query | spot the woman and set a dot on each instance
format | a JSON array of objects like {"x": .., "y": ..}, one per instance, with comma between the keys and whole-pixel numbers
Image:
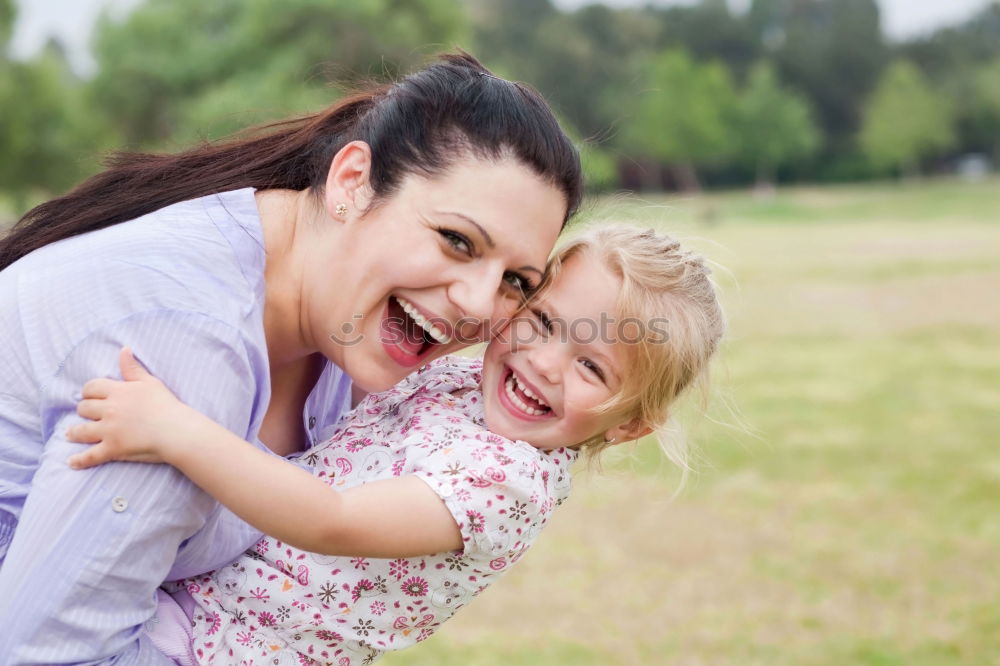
[{"x": 381, "y": 233}]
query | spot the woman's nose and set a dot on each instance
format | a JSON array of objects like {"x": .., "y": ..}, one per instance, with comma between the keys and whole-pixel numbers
[{"x": 477, "y": 295}]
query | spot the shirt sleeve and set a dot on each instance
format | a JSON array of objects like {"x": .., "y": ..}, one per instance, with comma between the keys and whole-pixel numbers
[
  {"x": 499, "y": 501},
  {"x": 91, "y": 546}
]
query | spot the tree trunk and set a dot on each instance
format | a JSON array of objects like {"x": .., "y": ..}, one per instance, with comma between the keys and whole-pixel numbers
[
  {"x": 764, "y": 186},
  {"x": 686, "y": 177}
]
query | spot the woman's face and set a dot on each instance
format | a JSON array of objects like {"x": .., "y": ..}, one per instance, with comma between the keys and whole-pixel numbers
[{"x": 432, "y": 268}]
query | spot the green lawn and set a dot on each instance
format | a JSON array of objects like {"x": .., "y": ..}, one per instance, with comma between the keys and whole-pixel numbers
[{"x": 853, "y": 519}]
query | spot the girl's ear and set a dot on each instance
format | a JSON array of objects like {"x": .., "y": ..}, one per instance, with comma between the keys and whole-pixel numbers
[
  {"x": 627, "y": 432},
  {"x": 348, "y": 181}
]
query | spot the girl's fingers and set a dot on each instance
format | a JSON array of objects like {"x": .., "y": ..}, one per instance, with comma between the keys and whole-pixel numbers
[
  {"x": 97, "y": 388},
  {"x": 90, "y": 409},
  {"x": 84, "y": 433},
  {"x": 131, "y": 369},
  {"x": 89, "y": 458}
]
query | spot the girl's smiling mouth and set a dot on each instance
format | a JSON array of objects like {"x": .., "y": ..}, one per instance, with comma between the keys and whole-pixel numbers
[
  {"x": 518, "y": 398},
  {"x": 408, "y": 335}
]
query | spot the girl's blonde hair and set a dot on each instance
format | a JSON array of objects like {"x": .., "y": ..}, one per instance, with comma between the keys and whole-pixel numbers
[{"x": 668, "y": 318}]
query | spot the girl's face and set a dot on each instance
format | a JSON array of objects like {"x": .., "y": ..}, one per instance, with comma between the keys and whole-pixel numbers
[
  {"x": 544, "y": 375},
  {"x": 432, "y": 266}
]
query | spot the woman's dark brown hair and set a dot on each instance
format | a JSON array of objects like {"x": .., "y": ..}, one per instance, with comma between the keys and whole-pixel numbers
[{"x": 419, "y": 125}]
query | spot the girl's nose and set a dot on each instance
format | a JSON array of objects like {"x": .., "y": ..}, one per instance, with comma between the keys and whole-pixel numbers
[{"x": 544, "y": 360}]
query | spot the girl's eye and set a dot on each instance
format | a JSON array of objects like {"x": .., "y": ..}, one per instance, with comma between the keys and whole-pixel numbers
[
  {"x": 457, "y": 241},
  {"x": 593, "y": 367}
]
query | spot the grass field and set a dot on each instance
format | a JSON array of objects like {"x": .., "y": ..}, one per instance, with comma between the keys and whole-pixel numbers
[{"x": 857, "y": 519}]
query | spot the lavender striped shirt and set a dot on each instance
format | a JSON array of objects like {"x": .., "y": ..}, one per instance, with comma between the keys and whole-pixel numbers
[{"x": 82, "y": 552}]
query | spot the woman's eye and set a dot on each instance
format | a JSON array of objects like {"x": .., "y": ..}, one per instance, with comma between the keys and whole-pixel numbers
[
  {"x": 518, "y": 283},
  {"x": 544, "y": 320},
  {"x": 592, "y": 367},
  {"x": 457, "y": 241}
]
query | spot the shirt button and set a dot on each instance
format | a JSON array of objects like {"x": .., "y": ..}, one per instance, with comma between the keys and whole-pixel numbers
[
  {"x": 119, "y": 504},
  {"x": 312, "y": 422},
  {"x": 445, "y": 491}
]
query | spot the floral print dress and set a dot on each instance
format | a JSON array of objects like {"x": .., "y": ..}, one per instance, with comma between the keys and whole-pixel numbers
[{"x": 280, "y": 605}]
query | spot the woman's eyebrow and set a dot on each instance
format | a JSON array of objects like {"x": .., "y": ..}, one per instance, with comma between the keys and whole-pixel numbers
[{"x": 485, "y": 234}]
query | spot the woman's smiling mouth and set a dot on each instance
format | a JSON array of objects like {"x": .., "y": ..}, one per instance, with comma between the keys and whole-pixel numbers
[
  {"x": 436, "y": 332},
  {"x": 409, "y": 337}
]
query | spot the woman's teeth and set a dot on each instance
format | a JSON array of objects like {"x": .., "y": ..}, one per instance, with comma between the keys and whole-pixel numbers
[
  {"x": 510, "y": 386},
  {"x": 439, "y": 336}
]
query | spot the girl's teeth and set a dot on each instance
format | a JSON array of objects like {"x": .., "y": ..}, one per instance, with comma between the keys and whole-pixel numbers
[
  {"x": 509, "y": 386},
  {"x": 435, "y": 332},
  {"x": 528, "y": 392}
]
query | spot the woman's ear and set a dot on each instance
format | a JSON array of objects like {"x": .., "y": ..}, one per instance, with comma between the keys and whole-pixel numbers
[
  {"x": 627, "y": 432},
  {"x": 348, "y": 181}
]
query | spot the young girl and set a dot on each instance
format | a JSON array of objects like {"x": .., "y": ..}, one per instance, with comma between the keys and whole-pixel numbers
[{"x": 443, "y": 482}]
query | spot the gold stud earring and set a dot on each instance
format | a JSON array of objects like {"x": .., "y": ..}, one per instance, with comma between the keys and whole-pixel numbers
[
  {"x": 341, "y": 209},
  {"x": 610, "y": 441}
]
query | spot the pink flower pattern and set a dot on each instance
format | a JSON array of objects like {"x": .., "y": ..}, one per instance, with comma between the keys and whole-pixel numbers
[
  {"x": 348, "y": 611},
  {"x": 414, "y": 587}
]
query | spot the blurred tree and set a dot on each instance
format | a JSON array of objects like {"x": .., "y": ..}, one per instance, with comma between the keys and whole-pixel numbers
[
  {"x": 48, "y": 138},
  {"x": 904, "y": 120},
  {"x": 708, "y": 30},
  {"x": 685, "y": 116},
  {"x": 775, "y": 125},
  {"x": 982, "y": 116},
  {"x": 579, "y": 60},
  {"x": 602, "y": 76},
  {"x": 831, "y": 50},
  {"x": 600, "y": 168},
  {"x": 950, "y": 50},
  {"x": 961, "y": 64},
  {"x": 7, "y": 14},
  {"x": 174, "y": 70}
]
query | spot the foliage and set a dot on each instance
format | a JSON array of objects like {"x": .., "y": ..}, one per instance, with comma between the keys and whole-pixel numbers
[
  {"x": 600, "y": 169},
  {"x": 708, "y": 30},
  {"x": 162, "y": 80},
  {"x": 982, "y": 107},
  {"x": 176, "y": 71},
  {"x": 684, "y": 116},
  {"x": 7, "y": 13},
  {"x": 775, "y": 124},
  {"x": 578, "y": 60},
  {"x": 833, "y": 50},
  {"x": 905, "y": 120},
  {"x": 49, "y": 136}
]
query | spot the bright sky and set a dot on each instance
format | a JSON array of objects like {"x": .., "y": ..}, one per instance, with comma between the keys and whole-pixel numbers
[{"x": 72, "y": 20}]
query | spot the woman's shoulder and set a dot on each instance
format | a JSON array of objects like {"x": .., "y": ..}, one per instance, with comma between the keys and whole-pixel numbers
[{"x": 194, "y": 256}]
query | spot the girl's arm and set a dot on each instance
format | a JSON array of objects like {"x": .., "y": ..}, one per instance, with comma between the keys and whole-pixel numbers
[{"x": 140, "y": 420}]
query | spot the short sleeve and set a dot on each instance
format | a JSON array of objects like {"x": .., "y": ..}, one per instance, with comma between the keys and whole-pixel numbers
[{"x": 496, "y": 492}]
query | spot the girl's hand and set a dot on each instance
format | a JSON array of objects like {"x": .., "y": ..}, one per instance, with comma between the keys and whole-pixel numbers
[{"x": 137, "y": 420}]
